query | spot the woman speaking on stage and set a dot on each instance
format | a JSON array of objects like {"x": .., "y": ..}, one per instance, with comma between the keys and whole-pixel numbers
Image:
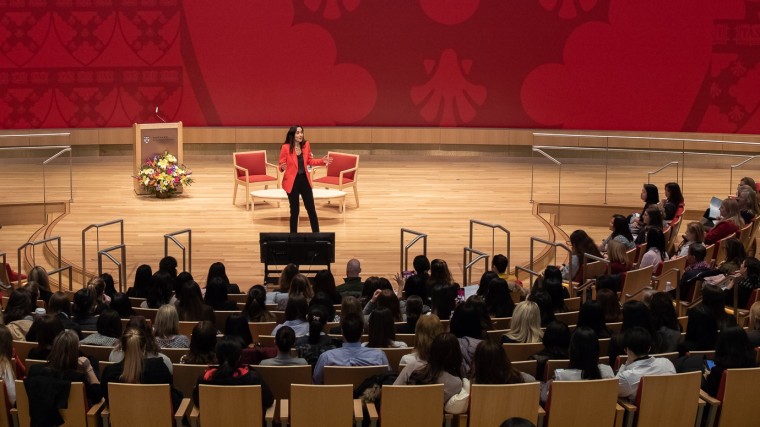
[{"x": 295, "y": 157}]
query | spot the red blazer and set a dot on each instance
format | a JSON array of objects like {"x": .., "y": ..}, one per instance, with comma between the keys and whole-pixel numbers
[
  {"x": 721, "y": 230},
  {"x": 291, "y": 164}
]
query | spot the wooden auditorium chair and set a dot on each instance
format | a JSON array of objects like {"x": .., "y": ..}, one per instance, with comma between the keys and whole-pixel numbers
[
  {"x": 185, "y": 376},
  {"x": 409, "y": 405},
  {"x": 222, "y": 406},
  {"x": 341, "y": 173},
  {"x": 77, "y": 413},
  {"x": 321, "y": 406},
  {"x": 522, "y": 351},
  {"x": 154, "y": 403},
  {"x": 737, "y": 395},
  {"x": 354, "y": 375},
  {"x": 279, "y": 378},
  {"x": 635, "y": 282},
  {"x": 666, "y": 400},
  {"x": 590, "y": 403},
  {"x": 491, "y": 404},
  {"x": 250, "y": 167}
]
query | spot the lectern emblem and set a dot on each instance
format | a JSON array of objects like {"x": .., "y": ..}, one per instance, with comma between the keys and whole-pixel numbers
[{"x": 146, "y": 140}]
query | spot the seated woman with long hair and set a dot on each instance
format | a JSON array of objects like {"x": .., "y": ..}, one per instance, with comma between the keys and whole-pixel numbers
[
  {"x": 190, "y": 307},
  {"x": 651, "y": 197},
  {"x": 732, "y": 351},
  {"x": 7, "y": 358},
  {"x": 382, "y": 331},
  {"x": 490, "y": 365},
  {"x": 556, "y": 341},
  {"x": 526, "y": 324},
  {"x": 255, "y": 308},
  {"x": 591, "y": 316},
  {"x": 581, "y": 243},
  {"x": 735, "y": 256},
  {"x": 65, "y": 363},
  {"x": 231, "y": 372},
  {"x": 749, "y": 207},
  {"x": 283, "y": 285},
  {"x": 299, "y": 286},
  {"x": 152, "y": 350},
  {"x": 202, "y": 344},
  {"x": 311, "y": 346},
  {"x": 695, "y": 233},
  {"x": 217, "y": 269},
  {"x": 109, "y": 330},
  {"x": 284, "y": 340},
  {"x": 673, "y": 203},
  {"x": 296, "y": 311},
  {"x": 747, "y": 280},
  {"x": 137, "y": 367},
  {"x": 428, "y": 327},
  {"x": 385, "y": 298},
  {"x": 618, "y": 257},
  {"x": 324, "y": 282},
  {"x": 166, "y": 328},
  {"x": 652, "y": 219},
  {"x": 467, "y": 327},
  {"x": 584, "y": 361},
  {"x": 498, "y": 299},
  {"x": 47, "y": 328},
  {"x": 444, "y": 366},
  {"x": 730, "y": 222},
  {"x": 142, "y": 282},
  {"x": 620, "y": 232},
  {"x": 216, "y": 296},
  {"x": 655, "y": 253}
]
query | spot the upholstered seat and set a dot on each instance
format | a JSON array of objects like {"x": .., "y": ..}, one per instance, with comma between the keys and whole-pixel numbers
[
  {"x": 250, "y": 167},
  {"x": 341, "y": 173}
]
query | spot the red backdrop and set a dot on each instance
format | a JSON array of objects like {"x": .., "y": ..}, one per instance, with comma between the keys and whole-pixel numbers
[{"x": 676, "y": 65}]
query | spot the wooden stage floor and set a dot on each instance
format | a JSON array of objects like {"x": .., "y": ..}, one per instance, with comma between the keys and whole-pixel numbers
[{"x": 436, "y": 195}]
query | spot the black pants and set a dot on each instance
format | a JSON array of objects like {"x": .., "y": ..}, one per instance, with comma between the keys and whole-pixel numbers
[{"x": 302, "y": 188}]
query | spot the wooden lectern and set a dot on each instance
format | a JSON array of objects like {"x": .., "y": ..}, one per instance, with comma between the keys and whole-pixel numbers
[{"x": 155, "y": 138}]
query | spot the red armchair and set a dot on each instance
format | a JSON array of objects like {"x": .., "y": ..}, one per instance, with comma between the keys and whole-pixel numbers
[
  {"x": 341, "y": 173},
  {"x": 250, "y": 167}
]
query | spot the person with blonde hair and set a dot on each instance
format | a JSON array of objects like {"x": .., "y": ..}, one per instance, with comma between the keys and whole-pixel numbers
[
  {"x": 136, "y": 368},
  {"x": 7, "y": 369},
  {"x": 526, "y": 324},
  {"x": 166, "y": 328},
  {"x": 428, "y": 327},
  {"x": 695, "y": 233},
  {"x": 299, "y": 285},
  {"x": 616, "y": 253},
  {"x": 730, "y": 222},
  {"x": 749, "y": 204}
]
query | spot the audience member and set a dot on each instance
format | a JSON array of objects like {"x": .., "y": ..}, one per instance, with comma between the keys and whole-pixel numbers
[
  {"x": 352, "y": 284},
  {"x": 466, "y": 326},
  {"x": 582, "y": 244},
  {"x": 733, "y": 350},
  {"x": 284, "y": 340},
  {"x": 217, "y": 269},
  {"x": 295, "y": 315},
  {"x": 526, "y": 324},
  {"x": 121, "y": 303},
  {"x": 695, "y": 233},
  {"x": 216, "y": 295},
  {"x": 665, "y": 320},
  {"x": 351, "y": 353},
  {"x": 556, "y": 341},
  {"x": 701, "y": 331},
  {"x": 747, "y": 281},
  {"x": 591, "y": 316},
  {"x": 202, "y": 344},
  {"x": 730, "y": 222},
  {"x": 324, "y": 282},
  {"x": 190, "y": 307},
  {"x": 382, "y": 331},
  {"x": 108, "y": 330},
  {"x": 499, "y": 299},
  {"x": 428, "y": 327},
  {"x": 311, "y": 346},
  {"x": 620, "y": 232},
  {"x": 256, "y": 307},
  {"x": 141, "y": 284},
  {"x": 638, "y": 343},
  {"x": 490, "y": 365},
  {"x": 166, "y": 328},
  {"x": 48, "y": 327},
  {"x": 414, "y": 308}
]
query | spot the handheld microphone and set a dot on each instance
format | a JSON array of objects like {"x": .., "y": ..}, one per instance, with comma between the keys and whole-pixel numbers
[{"x": 159, "y": 116}]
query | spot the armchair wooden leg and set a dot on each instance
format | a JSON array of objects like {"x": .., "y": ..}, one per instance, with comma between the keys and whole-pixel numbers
[
  {"x": 234, "y": 193},
  {"x": 356, "y": 196}
]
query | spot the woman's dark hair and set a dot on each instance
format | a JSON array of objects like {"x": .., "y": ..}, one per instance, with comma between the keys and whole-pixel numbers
[
  {"x": 109, "y": 323},
  {"x": 656, "y": 239},
  {"x": 237, "y": 326},
  {"x": 325, "y": 282},
  {"x": 141, "y": 285},
  {"x": 733, "y": 349},
  {"x": 110, "y": 288},
  {"x": 655, "y": 218},
  {"x": 59, "y": 303},
  {"x": 84, "y": 303},
  {"x": 753, "y": 267},
  {"x": 517, "y": 422},
  {"x": 701, "y": 329},
  {"x": 181, "y": 279},
  {"x": 421, "y": 264},
  {"x": 498, "y": 299},
  {"x": 217, "y": 270},
  {"x": 466, "y": 322},
  {"x": 556, "y": 292},
  {"x": 317, "y": 319},
  {"x": 582, "y": 243},
  {"x": 168, "y": 264},
  {"x": 445, "y": 356},
  {"x": 413, "y": 307},
  {"x": 556, "y": 337},
  {"x": 610, "y": 303},
  {"x": 284, "y": 339},
  {"x": 288, "y": 273},
  {"x": 443, "y": 299},
  {"x": 544, "y": 302},
  {"x": 216, "y": 293},
  {"x": 490, "y": 365},
  {"x": 381, "y": 330},
  {"x": 485, "y": 280},
  {"x": 552, "y": 271},
  {"x": 290, "y": 137},
  {"x": 735, "y": 251},
  {"x": 141, "y": 323},
  {"x": 202, "y": 344},
  {"x": 190, "y": 305},
  {"x": 160, "y": 291},
  {"x": 19, "y": 306},
  {"x": 296, "y": 308},
  {"x": 620, "y": 227},
  {"x": 388, "y": 299},
  {"x": 120, "y": 302},
  {"x": 584, "y": 353},
  {"x": 480, "y": 306},
  {"x": 676, "y": 196},
  {"x": 663, "y": 313},
  {"x": 256, "y": 304},
  {"x": 652, "y": 194},
  {"x": 439, "y": 273},
  {"x": 591, "y": 316},
  {"x": 416, "y": 286},
  {"x": 228, "y": 351},
  {"x": 48, "y": 327},
  {"x": 636, "y": 313}
]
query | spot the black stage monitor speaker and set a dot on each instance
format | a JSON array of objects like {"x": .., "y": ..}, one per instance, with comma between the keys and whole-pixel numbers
[{"x": 297, "y": 248}]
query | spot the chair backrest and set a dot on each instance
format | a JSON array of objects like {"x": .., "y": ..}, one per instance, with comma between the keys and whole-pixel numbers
[
  {"x": 174, "y": 354},
  {"x": 675, "y": 226},
  {"x": 554, "y": 364},
  {"x": 604, "y": 344},
  {"x": 321, "y": 405},
  {"x": 492, "y": 404},
  {"x": 74, "y": 415},
  {"x": 136, "y": 302},
  {"x": 254, "y": 161},
  {"x": 354, "y": 375},
  {"x": 154, "y": 401},
  {"x": 632, "y": 255},
  {"x": 220, "y": 317},
  {"x": 99, "y": 352},
  {"x": 279, "y": 378},
  {"x": 573, "y": 304},
  {"x": 148, "y": 313},
  {"x": 669, "y": 400},
  {"x": 409, "y": 339},
  {"x": 738, "y": 405},
  {"x": 394, "y": 355},
  {"x": 721, "y": 253},
  {"x": 186, "y": 328},
  {"x": 22, "y": 348},
  {"x": 521, "y": 351},
  {"x": 529, "y": 367},
  {"x": 672, "y": 270},
  {"x": 397, "y": 409},
  {"x": 230, "y": 405},
  {"x": 185, "y": 376},
  {"x": 745, "y": 233},
  {"x": 501, "y": 322},
  {"x": 261, "y": 328},
  {"x": 592, "y": 270},
  {"x": 596, "y": 407},
  {"x": 496, "y": 334},
  {"x": 635, "y": 282},
  {"x": 568, "y": 318},
  {"x": 342, "y": 161}
]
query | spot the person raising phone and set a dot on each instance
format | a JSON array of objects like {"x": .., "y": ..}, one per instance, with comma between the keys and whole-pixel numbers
[{"x": 295, "y": 157}]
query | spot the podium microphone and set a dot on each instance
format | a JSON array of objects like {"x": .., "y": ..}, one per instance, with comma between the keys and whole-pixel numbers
[{"x": 159, "y": 116}]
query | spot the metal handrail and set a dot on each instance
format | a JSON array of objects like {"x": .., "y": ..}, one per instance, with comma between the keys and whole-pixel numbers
[
  {"x": 653, "y": 138},
  {"x": 62, "y": 148},
  {"x": 189, "y": 252},
  {"x": 59, "y": 271},
  {"x": 655, "y": 172},
  {"x": 60, "y": 267},
  {"x": 97, "y": 228},
  {"x": 559, "y": 179},
  {"x": 587, "y": 255},
  {"x": 122, "y": 266},
  {"x": 731, "y": 174},
  {"x": 493, "y": 228},
  {"x": 2, "y": 254},
  {"x": 553, "y": 244},
  {"x": 467, "y": 266},
  {"x": 530, "y": 272},
  {"x": 404, "y": 262}
]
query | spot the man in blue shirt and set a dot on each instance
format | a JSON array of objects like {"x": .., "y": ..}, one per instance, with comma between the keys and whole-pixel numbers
[{"x": 352, "y": 353}]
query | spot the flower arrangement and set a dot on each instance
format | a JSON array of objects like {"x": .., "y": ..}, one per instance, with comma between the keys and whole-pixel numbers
[{"x": 162, "y": 174}]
